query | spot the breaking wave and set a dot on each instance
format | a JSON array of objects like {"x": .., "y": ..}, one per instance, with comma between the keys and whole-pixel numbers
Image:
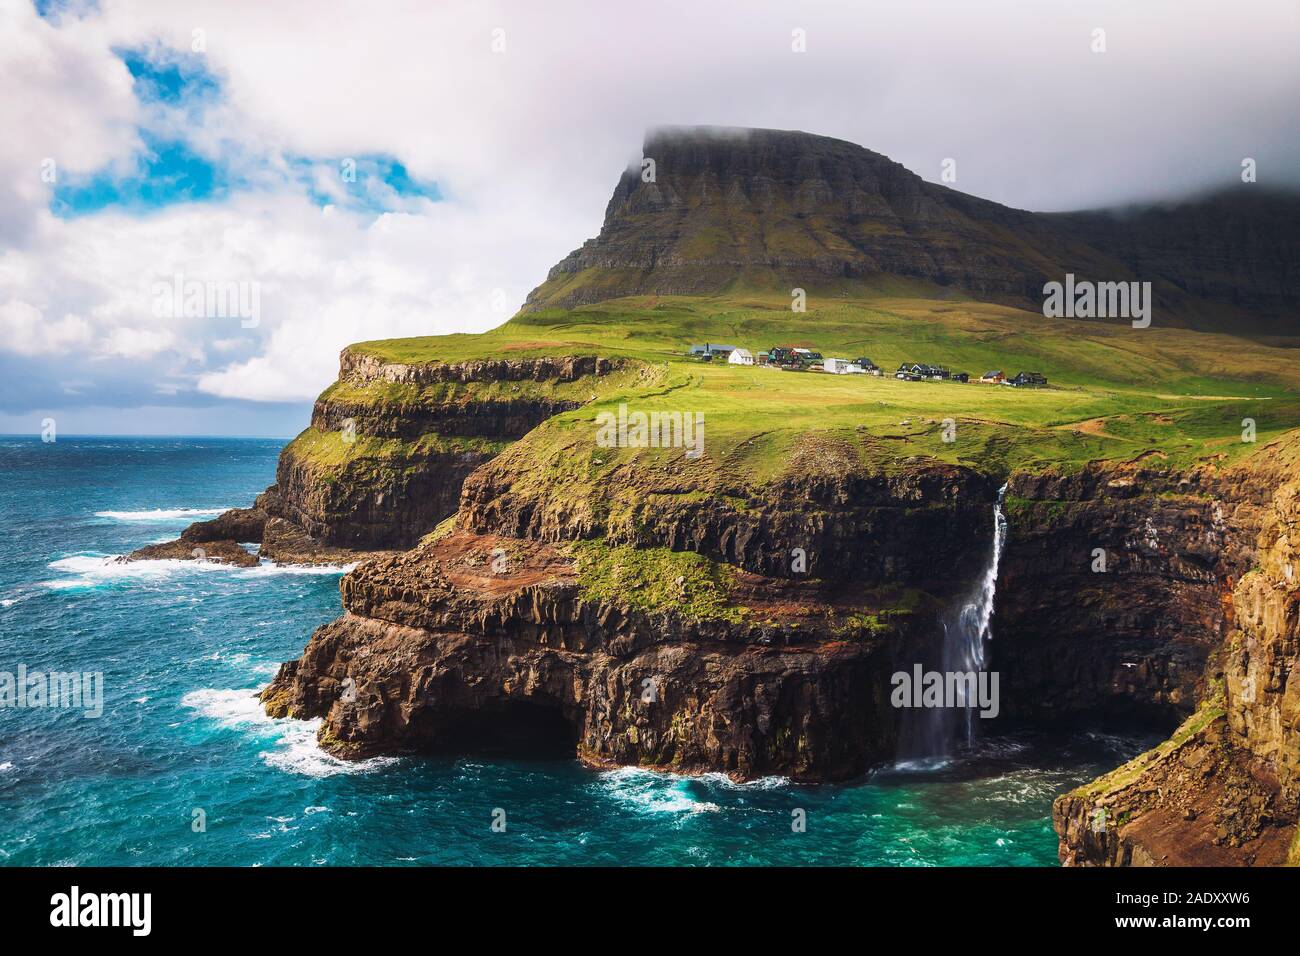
[
  {"x": 160, "y": 514},
  {"x": 293, "y": 742}
]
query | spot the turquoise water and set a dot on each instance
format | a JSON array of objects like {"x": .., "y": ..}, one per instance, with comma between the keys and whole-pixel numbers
[{"x": 183, "y": 648}]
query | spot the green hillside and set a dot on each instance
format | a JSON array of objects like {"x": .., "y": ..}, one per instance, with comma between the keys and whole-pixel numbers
[{"x": 1115, "y": 392}]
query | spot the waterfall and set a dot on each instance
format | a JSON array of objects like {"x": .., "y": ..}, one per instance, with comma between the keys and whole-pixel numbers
[
  {"x": 934, "y": 732},
  {"x": 966, "y": 635}
]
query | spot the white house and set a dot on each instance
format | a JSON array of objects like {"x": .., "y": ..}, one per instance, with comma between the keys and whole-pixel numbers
[
  {"x": 741, "y": 357},
  {"x": 839, "y": 366}
]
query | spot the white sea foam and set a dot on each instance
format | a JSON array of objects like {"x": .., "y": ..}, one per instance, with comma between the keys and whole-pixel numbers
[
  {"x": 95, "y": 570},
  {"x": 7, "y": 765},
  {"x": 923, "y": 764},
  {"x": 760, "y": 783},
  {"x": 295, "y": 748},
  {"x": 654, "y": 792},
  {"x": 160, "y": 514}
]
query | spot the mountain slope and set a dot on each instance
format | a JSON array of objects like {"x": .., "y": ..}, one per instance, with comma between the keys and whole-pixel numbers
[{"x": 727, "y": 210}]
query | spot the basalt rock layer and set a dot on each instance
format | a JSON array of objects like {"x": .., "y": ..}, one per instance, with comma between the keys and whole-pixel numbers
[
  {"x": 1116, "y": 586},
  {"x": 477, "y": 640},
  {"x": 848, "y": 523},
  {"x": 1225, "y": 789},
  {"x": 390, "y": 444}
]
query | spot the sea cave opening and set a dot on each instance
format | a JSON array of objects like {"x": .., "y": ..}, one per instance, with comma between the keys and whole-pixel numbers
[{"x": 521, "y": 729}]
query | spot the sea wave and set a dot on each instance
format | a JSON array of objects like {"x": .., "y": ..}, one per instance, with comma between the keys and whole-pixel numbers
[
  {"x": 653, "y": 791},
  {"x": 22, "y": 594},
  {"x": 295, "y": 748},
  {"x": 89, "y": 571},
  {"x": 160, "y": 514}
]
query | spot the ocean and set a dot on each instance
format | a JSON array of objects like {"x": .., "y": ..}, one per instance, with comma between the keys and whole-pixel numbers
[{"x": 183, "y": 768}]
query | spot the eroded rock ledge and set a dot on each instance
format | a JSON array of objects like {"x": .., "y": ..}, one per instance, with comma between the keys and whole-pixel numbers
[{"x": 439, "y": 651}]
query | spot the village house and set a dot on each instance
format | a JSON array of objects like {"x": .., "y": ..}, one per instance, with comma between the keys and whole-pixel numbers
[
  {"x": 810, "y": 359},
  {"x": 908, "y": 373},
  {"x": 1025, "y": 379},
  {"x": 709, "y": 351},
  {"x": 741, "y": 357},
  {"x": 916, "y": 371},
  {"x": 867, "y": 366},
  {"x": 994, "y": 377},
  {"x": 793, "y": 359},
  {"x": 840, "y": 366}
]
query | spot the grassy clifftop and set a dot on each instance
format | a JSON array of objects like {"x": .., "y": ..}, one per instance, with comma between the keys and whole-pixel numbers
[{"x": 1116, "y": 392}]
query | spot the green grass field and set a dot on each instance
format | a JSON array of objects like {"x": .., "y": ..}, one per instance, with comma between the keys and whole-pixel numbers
[{"x": 1116, "y": 392}]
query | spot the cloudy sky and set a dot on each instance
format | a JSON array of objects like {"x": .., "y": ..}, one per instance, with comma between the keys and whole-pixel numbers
[{"x": 386, "y": 169}]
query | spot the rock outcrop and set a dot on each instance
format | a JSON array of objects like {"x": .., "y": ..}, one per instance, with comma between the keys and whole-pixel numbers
[
  {"x": 1225, "y": 789},
  {"x": 391, "y": 443},
  {"x": 384, "y": 458},
  {"x": 747, "y": 668},
  {"x": 437, "y": 651},
  {"x": 1115, "y": 586},
  {"x": 218, "y": 539}
]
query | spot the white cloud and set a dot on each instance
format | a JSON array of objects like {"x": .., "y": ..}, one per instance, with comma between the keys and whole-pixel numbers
[
  {"x": 26, "y": 331},
  {"x": 67, "y": 100}
]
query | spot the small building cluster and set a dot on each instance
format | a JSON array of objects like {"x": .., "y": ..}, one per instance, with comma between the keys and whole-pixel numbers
[
  {"x": 918, "y": 372},
  {"x": 1020, "y": 380},
  {"x": 791, "y": 358}
]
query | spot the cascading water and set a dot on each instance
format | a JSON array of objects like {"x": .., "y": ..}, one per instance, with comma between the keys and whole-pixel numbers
[
  {"x": 934, "y": 732},
  {"x": 966, "y": 636}
]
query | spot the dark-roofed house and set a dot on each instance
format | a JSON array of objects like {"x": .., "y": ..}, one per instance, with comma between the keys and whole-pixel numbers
[
  {"x": 1023, "y": 379},
  {"x": 710, "y": 351}
]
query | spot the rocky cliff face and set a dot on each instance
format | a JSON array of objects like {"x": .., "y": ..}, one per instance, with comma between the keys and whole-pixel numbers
[
  {"x": 430, "y": 426},
  {"x": 528, "y": 614},
  {"x": 1116, "y": 586},
  {"x": 387, "y": 451},
  {"x": 439, "y": 650},
  {"x": 500, "y": 629},
  {"x": 776, "y": 209},
  {"x": 1225, "y": 789},
  {"x": 849, "y": 523}
]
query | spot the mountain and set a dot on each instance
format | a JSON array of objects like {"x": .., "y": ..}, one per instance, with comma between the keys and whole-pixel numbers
[{"x": 730, "y": 210}]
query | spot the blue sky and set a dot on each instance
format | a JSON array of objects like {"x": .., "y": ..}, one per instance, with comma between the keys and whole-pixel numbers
[{"x": 176, "y": 90}]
